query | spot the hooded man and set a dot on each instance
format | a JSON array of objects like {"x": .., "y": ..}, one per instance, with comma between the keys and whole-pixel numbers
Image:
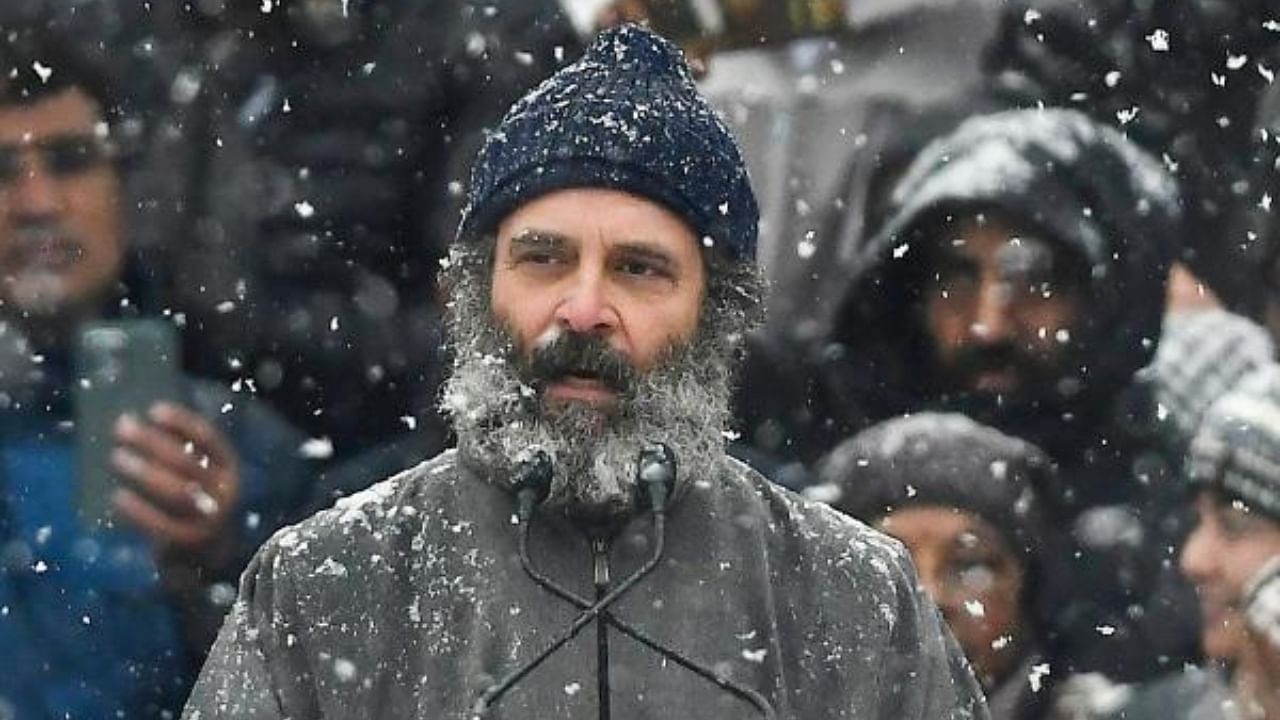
[
  {"x": 1019, "y": 279},
  {"x": 602, "y": 281}
]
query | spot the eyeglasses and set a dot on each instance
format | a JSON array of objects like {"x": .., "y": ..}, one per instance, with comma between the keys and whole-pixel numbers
[{"x": 63, "y": 156}]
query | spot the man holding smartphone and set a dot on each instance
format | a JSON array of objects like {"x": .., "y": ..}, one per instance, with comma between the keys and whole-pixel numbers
[{"x": 104, "y": 620}]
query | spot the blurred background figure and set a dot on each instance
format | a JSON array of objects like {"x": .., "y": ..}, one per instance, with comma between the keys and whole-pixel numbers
[
  {"x": 962, "y": 498},
  {"x": 105, "y": 617},
  {"x": 1233, "y": 558},
  {"x": 1184, "y": 80},
  {"x": 1020, "y": 278},
  {"x": 304, "y": 179}
]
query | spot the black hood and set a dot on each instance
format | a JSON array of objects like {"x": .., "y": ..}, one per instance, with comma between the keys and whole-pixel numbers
[{"x": 1081, "y": 184}]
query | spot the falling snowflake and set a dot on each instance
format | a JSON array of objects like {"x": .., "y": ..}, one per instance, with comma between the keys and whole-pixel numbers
[
  {"x": 344, "y": 669},
  {"x": 1128, "y": 115},
  {"x": 1037, "y": 675},
  {"x": 1159, "y": 40},
  {"x": 317, "y": 448}
]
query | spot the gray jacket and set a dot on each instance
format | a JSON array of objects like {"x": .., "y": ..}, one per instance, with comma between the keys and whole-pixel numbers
[{"x": 408, "y": 600}]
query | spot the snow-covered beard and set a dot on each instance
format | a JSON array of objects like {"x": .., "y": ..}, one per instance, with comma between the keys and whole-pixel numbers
[{"x": 494, "y": 398}]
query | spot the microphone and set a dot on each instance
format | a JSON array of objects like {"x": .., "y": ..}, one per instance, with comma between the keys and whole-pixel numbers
[
  {"x": 656, "y": 476},
  {"x": 656, "y": 472},
  {"x": 532, "y": 483}
]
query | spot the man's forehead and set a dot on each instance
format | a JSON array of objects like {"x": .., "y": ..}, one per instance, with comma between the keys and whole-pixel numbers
[
  {"x": 1002, "y": 240},
  {"x": 71, "y": 111}
]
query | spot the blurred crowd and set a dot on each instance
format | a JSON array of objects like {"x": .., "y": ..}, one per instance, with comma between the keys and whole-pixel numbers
[{"x": 1024, "y": 298}]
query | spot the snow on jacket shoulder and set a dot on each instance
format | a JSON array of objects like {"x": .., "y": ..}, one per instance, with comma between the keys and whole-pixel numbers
[{"x": 409, "y": 600}]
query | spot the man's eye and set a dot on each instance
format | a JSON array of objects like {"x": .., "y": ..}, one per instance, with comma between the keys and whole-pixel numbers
[
  {"x": 640, "y": 268},
  {"x": 535, "y": 257}
]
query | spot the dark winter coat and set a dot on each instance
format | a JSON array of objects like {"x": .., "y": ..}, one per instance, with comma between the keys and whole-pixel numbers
[
  {"x": 408, "y": 600},
  {"x": 88, "y": 628},
  {"x": 1117, "y": 503},
  {"x": 300, "y": 193}
]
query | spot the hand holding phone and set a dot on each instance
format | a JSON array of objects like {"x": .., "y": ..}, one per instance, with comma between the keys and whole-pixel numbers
[
  {"x": 122, "y": 367},
  {"x": 180, "y": 483}
]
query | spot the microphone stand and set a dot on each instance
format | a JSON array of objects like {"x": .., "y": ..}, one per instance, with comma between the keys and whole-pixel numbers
[
  {"x": 747, "y": 694},
  {"x": 657, "y": 475},
  {"x": 600, "y": 549}
]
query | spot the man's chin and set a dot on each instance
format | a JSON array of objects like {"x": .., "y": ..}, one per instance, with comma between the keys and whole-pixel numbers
[
  {"x": 997, "y": 384},
  {"x": 576, "y": 416}
]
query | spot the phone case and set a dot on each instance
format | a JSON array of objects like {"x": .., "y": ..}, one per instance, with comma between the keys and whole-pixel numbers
[{"x": 121, "y": 367}]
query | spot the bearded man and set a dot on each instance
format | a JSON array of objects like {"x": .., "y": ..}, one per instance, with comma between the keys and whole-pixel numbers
[{"x": 602, "y": 283}]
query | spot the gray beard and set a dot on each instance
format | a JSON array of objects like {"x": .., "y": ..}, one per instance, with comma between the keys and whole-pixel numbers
[{"x": 501, "y": 420}]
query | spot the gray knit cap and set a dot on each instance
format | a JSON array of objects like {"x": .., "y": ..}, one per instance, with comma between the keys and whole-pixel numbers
[
  {"x": 1202, "y": 356},
  {"x": 943, "y": 459},
  {"x": 1237, "y": 450}
]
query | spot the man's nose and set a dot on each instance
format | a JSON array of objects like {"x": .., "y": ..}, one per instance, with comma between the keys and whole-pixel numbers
[
  {"x": 1197, "y": 558},
  {"x": 993, "y": 316},
  {"x": 585, "y": 306},
  {"x": 34, "y": 192},
  {"x": 931, "y": 582}
]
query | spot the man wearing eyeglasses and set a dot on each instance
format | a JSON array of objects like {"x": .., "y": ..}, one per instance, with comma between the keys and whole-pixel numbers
[{"x": 103, "y": 620}]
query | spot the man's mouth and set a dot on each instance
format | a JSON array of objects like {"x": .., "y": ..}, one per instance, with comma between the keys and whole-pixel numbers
[
  {"x": 998, "y": 381},
  {"x": 580, "y": 386},
  {"x": 51, "y": 253}
]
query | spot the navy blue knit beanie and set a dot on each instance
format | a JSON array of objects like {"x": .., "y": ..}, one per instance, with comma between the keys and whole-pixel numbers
[{"x": 626, "y": 116}]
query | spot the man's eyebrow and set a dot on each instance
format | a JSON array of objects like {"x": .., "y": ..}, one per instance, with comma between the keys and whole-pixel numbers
[
  {"x": 534, "y": 239},
  {"x": 645, "y": 251}
]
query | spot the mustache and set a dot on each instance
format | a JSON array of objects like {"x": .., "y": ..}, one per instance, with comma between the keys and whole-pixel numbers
[
  {"x": 30, "y": 234},
  {"x": 583, "y": 355},
  {"x": 973, "y": 361}
]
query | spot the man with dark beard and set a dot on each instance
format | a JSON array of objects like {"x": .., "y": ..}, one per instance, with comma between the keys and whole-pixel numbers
[
  {"x": 1020, "y": 279},
  {"x": 602, "y": 282}
]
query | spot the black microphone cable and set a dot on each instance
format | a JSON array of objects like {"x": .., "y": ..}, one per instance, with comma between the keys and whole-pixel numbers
[
  {"x": 497, "y": 690},
  {"x": 656, "y": 472}
]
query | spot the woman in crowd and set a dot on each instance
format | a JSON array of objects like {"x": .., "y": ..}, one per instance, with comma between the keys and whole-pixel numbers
[{"x": 961, "y": 497}]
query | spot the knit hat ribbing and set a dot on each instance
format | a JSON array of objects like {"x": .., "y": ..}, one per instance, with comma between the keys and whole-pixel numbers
[
  {"x": 626, "y": 116},
  {"x": 1202, "y": 356},
  {"x": 942, "y": 459},
  {"x": 1237, "y": 449}
]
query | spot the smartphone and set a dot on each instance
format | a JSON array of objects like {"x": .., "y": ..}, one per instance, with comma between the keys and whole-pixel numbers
[{"x": 121, "y": 367}]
